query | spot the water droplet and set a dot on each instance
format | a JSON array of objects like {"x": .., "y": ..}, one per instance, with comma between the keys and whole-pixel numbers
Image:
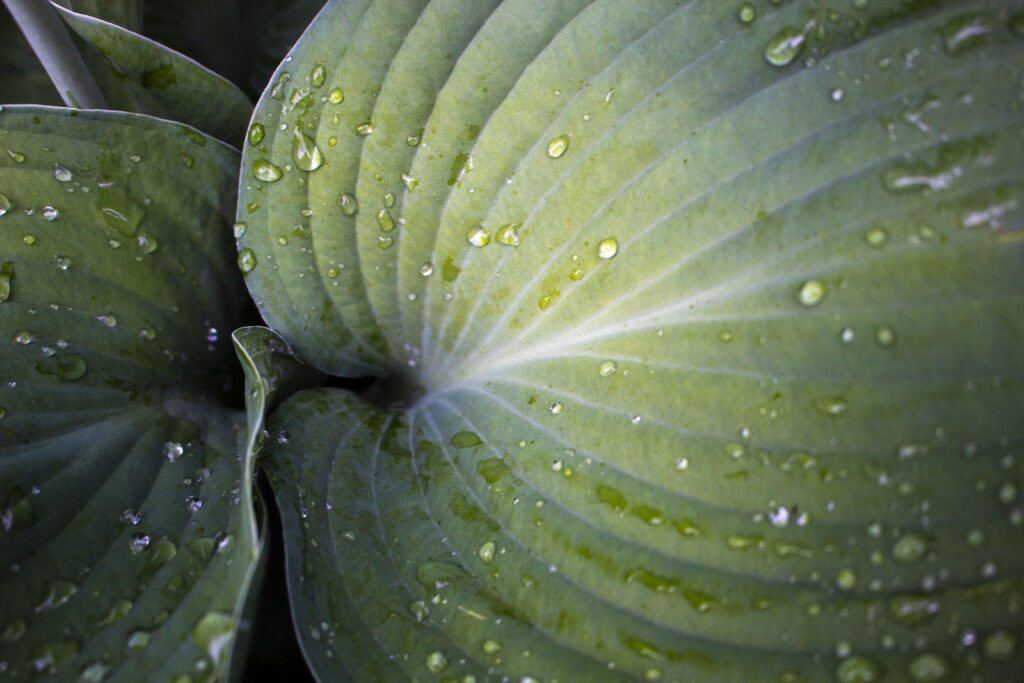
[
  {"x": 384, "y": 241},
  {"x": 23, "y": 337},
  {"x": 847, "y": 335},
  {"x": 347, "y": 203},
  {"x": 885, "y": 336},
  {"x": 18, "y": 512},
  {"x": 160, "y": 553},
  {"x": 17, "y": 157},
  {"x": 385, "y": 221},
  {"x": 14, "y": 630},
  {"x": 256, "y": 133},
  {"x": 58, "y": 593},
  {"x": 785, "y": 46},
  {"x": 909, "y": 548},
  {"x": 307, "y": 155},
  {"x": 486, "y": 551},
  {"x": 131, "y": 516},
  {"x": 239, "y": 229},
  {"x": 413, "y": 139},
  {"x": 336, "y": 96},
  {"x": 508, "y": 234},
  {"x": 5, "y": 205},
  {"x": 607, "y": 248},
  {"x": 833, "y": 405},
  {"x": 557, "y": 147},
  {"x": 62, "y": 174},
  {"x": 928, "y": 667},
  {"x": 491, "y": 647},
  {"x": 479, "y": 237},
  {"x": 187, "y": 160},
  {"x": 138, "y": 542},
  {"x": 193, "y": 504},
  {"x": 846, "y": 579},
  {"x": 811, "y": 292},
  {"x": 213, "y": 633},
  {"x": 66, "y": 368},
  {"x": 437, "y": 662},
  {"x": 364, "y": 128},
  {"x": 965, "y": 32},
  {"x": 999, "y": 645},
  {"x": 419, "y": 610},
  {"x": 266, "y": 171},
  {"x": 246, "y": 260},
  {"x": 6, "y": 275},
  {"x": 858, "y": 669},
  {"x": 556, "y": 408},
  {"x": 427, "y": 269},
  {"x": 836, "y": 94},
  {"x": 138, "y": 640},
  {"x": 607, "y": 368},
  {"x": 147, "y": 244},
  {"x": 173, "y": 450},
  {"x": 117, "y": 612},
  {"x": 317, "y": 76},
  {"x": 47, "y": 657},
  {"x": 746, "y": 14},
  {"x": 94, "y": 673}
]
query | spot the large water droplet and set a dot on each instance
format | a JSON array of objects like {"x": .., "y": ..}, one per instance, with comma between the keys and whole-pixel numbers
[
  {"x": 62, "y": 174},
  {"x": 266, "y": 171},
  {"x": 385, "y": 221},
  {"x": 928, "y": 667},
  {"x": 486, "y": 551},
  {"x": 307, "y": 155},
  {"x": 746, "y": 14},
  {"x": 812, "y": 292},
  {"x": 364, "y": 128},
  {"x": 58, "y": 593},
  {"x": 858, "y": 669},
  {"x": 5, "y": 204},
  {"x": 256, "y": 133},
  {"x": 607, "y": 248},
  {"x": 246, "y": 260},
  {"x": 50, "y": 214},
  {"x": 213, "y": 633},
  {"x": 508, "y": 234},
  {"x": 785, "y": 46},
  {"x": 479, "y": 237},
  {"x": 138, "y": 542},
  {"x": 909, "y": 548},
  {"x": 557, "y": 147},
  {"x": 437, "y": 662},
  {"x": 336, "y": 96},
  {"x": 317, "y": 76}
]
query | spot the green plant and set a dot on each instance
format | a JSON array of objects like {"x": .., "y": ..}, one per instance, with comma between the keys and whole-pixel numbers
[{"x": 695, "y": 328}]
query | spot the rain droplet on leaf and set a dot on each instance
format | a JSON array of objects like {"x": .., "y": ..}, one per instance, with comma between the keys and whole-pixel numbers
[
  {"x": 557, "y": 147},
  {"x": 607, "y": 248},
  {"x": 307, "y": 155},
  {"x": 785, "y": 46},
  {"x": 479, "y": 237},
  {"x": 266, "y": 171},
  {"x": 62, "y": 174}
]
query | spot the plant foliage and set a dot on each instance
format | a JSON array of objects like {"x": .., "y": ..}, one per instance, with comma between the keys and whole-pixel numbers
[{"x": 695, "y": 329}]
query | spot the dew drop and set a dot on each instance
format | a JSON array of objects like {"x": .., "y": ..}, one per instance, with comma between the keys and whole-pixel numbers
[
  {"x": 556, "y": 408},
  {"x": 246, "y": 260},
  {"x": 437, "y": 662},
  {"x": 336, "y": 96},
  {"x": 266, "y": 171},
  {"x": 491, "y": 647},
  {"x": 94, "y": 673},
  {"x": 138, "y": 542},
  {"x": 479, "y": 237},
  {"x": 837, "y": 94},
  {"x": 305, "y": 152},
  {"x": 846, "y": 579},
  {"x": 58, "y": 593},
  {"x": 909, "y": 548},
  {"x": 131, "y": 516},
  {"x": 5, "y": 204},
  {"x": 419, "y": 610},
  {"x": 811, "y": 292},
  {"x": 62, "y": 174},
  {"x": 785, "y": 46},
  {"x": 427, "y": 269},
  {"x": 147, "y": 243},
  {"x": 17, "y": 157},
  {"x": 173, "y": 450},
  {"x": 557, "y": 147},
  {"x": 50, "y": 214},
  {"x": 364, "y": 129},
  {"x": 999, "y": 645},
  {"x": 23, "y": 337},
  {"x": 138, "y": 640},
  {"x": 256, "y": 133},
  {"x": 317, "y": 76},
  {"x": 486, "y": 551},
  {"x": 964, "y": 32},
  {"x": 858, "y": 669},
  {"x": 847, "y": 335},
  {"x": 885, "y": 336},
  {"x": 14, "y": 630},
  {"x": 508, "y": 234},
  {"x": 347, "y": 203},
  {"x": 607, "y": 369},
  {"x": 876, "y": 237},
  {"x": 607, "y": 248},
  {"x": 385, "y": 221},
  {"x": 384, "y": 241},
  {"x": 213, "y": 633},
  {"x": 928, "y": 667},
  {"x": 746, "y": 14}
]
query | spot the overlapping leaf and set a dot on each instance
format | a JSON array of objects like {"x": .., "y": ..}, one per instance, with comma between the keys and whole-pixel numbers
[
  {"x": 128, "y": 539},
  {"x": 707, "y": 319}
]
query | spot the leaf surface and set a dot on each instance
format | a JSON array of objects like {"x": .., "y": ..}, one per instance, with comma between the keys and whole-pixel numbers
[
  {"x": 129, "y": 539},
  {"x": 706, "y": 329}
]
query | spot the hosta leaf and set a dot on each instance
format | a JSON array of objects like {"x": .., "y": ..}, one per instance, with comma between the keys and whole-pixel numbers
[
  {"x": 126, "y": 13},
  {"x": 705, "y": 317},
  {"x": 128, "y": 539},
  {"x": 146, "y": 77}
]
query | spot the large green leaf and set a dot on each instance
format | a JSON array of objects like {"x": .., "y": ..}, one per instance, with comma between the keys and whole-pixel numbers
[
  {"x": 128, "y": 541},
  {"x": 137, "y": 74},
  {"x": 706, "y": 318}
]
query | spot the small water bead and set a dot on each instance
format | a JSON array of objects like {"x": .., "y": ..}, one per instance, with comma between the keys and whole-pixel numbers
[
  {"x": 17, "y": 157},
  {"x": 508, "y": 234},
  {"x": 837, "y": 94},
  {"x": 576, "y": 274},
  {"x": 256, "y": 133},
  {"x": 138, "y": 542},
  {"x": 491, "y": 647},
  {"x": 847, "y": 335},
  {"x": 336, "y": 96},
  {"x": 479, "y": 237},
  {"x": 246, "y": 260},
  {"x": 239, "y": 229},
  {"x": 266, "y": 171},
  {"x": 385, "y": 221},
  {"x": 419, "y": 610},
  {"x": 999, "y": 645},
  {"x": 305, "y": 152},
  {"x": 28, "y": 239},
  {"x": 193, "y": 504},
  {"x": 173, "y": 450},
  {"x": 785, "y": 46},
  {"x": 213, "y": 633},
  {"x": 557, "y": 147},
  {"x": 14, "y": 631},
  {"x": 437, "y": 662},
  {"x": 555, "y": 408},
  {"x": 858, "y": 669},
  {"x": 876, "y": 237},
  {"x": 607, "y": 369},
  {"x": 928, "y": 667},
  {"x": 989, "y": 569},
  {"x": 427, "y": 269},
  {"x": 965, "y": 32},
  {"x": 347, "y": 203},
  {"x": 57, "y": 595},
  {"x": 147, "y": 244},
  {"x": 607, "y": 248},
  {"x": 138, "y": 640},
  {"x": 23, "y": 337},
  {"x": 131, "y": 516},
  {"x": 5, "y": 205},
  {"x": 746, "y": 14},
  {"x": 812, "y": 292},
  {"x": 364, "y": 129},
  {"x": 61, "y": 174},
  {"x": 317, "y": 76},
  {"x": 846, "y": 579},
  {"x": 384, "y": 241},
  {"x": 885, "y": 336},
  {"x": 486, "y": 551},
  {"x": 63, "y": 262},
  {"x": 93, "y": 673},
  {"x": 909, "y": 548}
]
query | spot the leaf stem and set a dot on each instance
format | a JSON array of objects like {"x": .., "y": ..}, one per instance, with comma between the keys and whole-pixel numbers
[{"x": 49, "y": 38}]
